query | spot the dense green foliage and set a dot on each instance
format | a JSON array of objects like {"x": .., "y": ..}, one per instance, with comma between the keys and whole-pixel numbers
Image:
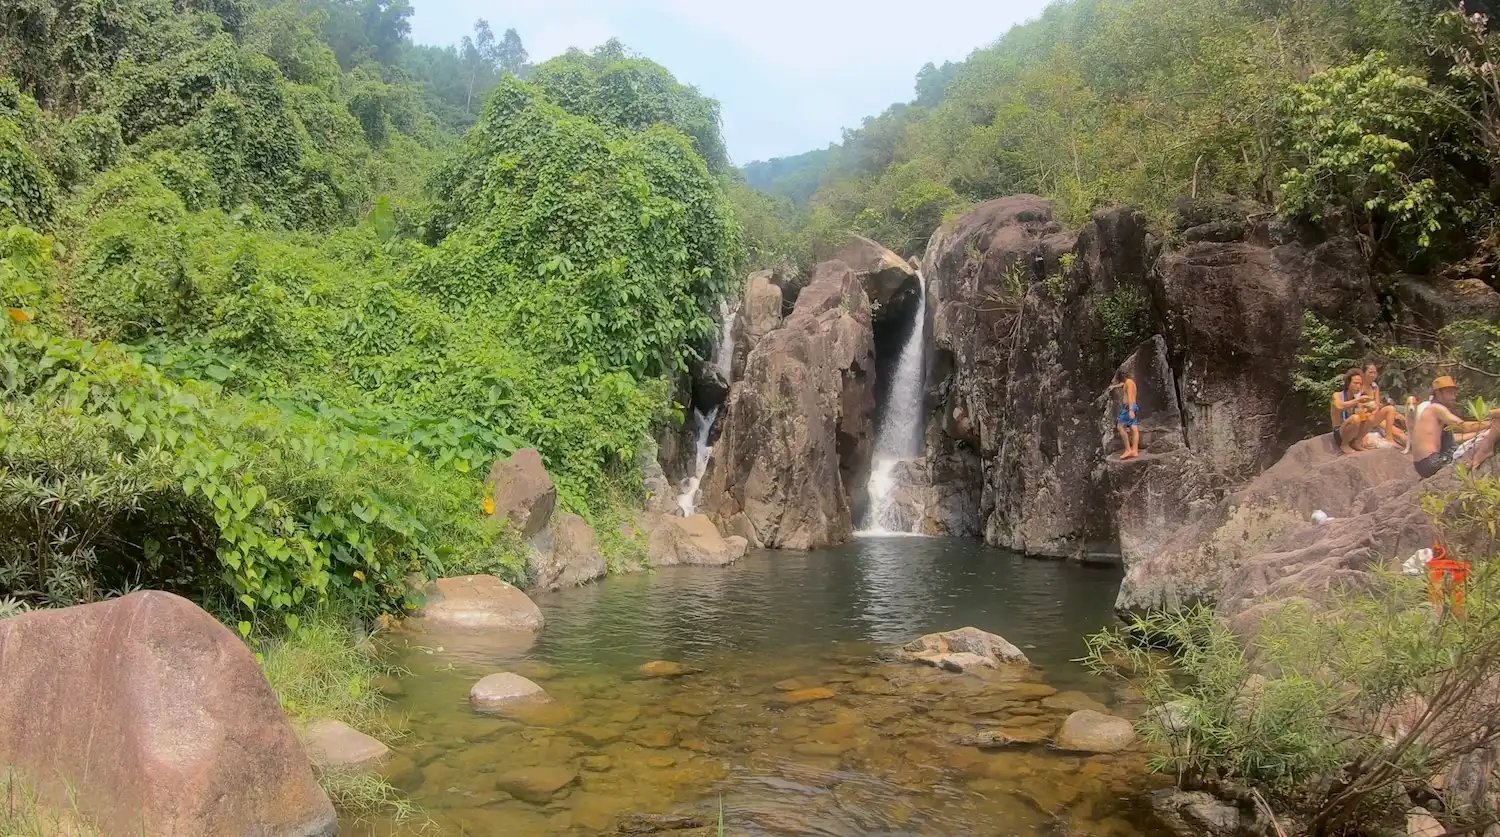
[
  {"x": 1379, "y": 109},
  {"x": 269, "y": 321}
]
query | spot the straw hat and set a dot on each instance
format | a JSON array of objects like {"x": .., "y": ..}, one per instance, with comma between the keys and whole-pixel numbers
[{"x": 1444, "y": 382}]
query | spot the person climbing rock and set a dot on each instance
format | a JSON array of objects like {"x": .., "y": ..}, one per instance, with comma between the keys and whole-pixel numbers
[
  {"x": 1129, "y": 422},
  {"x": 1441, "y": 438},
  {"x": 1355, "y": 413}
]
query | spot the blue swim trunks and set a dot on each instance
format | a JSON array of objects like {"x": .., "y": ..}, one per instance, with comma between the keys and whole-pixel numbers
[{"x": 1126, "y": 420}]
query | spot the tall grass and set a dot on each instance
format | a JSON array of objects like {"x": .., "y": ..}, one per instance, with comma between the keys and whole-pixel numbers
[{"x": 22, "y": 814}]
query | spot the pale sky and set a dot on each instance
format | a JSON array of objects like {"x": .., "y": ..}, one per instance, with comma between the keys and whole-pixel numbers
[{"x": 789, "y": 74}]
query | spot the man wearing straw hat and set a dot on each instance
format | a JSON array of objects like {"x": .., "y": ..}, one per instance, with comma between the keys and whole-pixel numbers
[{"x": 1436, "y": 439}]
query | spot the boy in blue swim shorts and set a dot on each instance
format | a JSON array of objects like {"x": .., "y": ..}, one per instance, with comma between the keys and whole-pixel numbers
[{"x": 1129, "y": 422}]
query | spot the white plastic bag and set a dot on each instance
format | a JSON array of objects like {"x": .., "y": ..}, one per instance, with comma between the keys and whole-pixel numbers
[{"x": 1417, "y": 563}]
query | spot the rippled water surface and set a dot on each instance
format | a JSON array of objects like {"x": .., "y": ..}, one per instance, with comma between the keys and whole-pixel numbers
[{"x": 793, "y": 721}]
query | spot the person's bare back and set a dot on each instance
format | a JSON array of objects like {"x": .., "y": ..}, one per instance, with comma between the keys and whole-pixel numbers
[{"x": 1435, "y": 439}]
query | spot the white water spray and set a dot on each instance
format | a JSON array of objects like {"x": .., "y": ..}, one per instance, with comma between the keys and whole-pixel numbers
[
  {"x": 899, "y": 438},
  {"x": 704, "y": 422}
]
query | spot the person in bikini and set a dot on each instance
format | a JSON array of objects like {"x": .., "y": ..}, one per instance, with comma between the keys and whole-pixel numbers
[
  {"x": 1355, "y": 413},
  {"x": 1395, "y": 433},
  {"x": 1129, "y": 422},
  {"x": 1441, "y": 438}
]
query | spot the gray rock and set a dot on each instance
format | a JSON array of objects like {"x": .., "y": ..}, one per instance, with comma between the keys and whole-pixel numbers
[
  {"x": 476, "y": 603},
  {"x": 691, "y": 541},
  {"x": 1087, "y": 731},
  {"x": 505, "y": 690},
  {"x": 536, "y": 785},
  {"x": 962, "y": 650},
  {"x": 565, "y": 555},
  {"x": 337, "y": 747},
  {"x": 1195, "y": 814}
]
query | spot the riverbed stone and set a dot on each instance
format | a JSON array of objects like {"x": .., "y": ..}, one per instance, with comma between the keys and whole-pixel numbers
[
  {"x": 146, "y": 713},
  {"x": 336, "y": 747},
  {"x": 476, "y": 603},
  {"x": 691, "y": 705},
  {"x": 995, "y": 739},
  {"x": 1024, "y": 691},
  {"x": 523, "y": 492},
  {"x": 597, "y": 736},
  {"x": 656, "y": 738},
  {"x": 874, "y": 686},
  {"x": 1073, "y": 702},
  {"x": 536, "y": 785},
  {"x": 1088, "y": 731},
  {"x": 666, "y": 668},
  {"x": 964, "y": 649},
  {"x": 807, "y": 695},
  {"x": 505, "y": 690},
  {"x": 1195, "y": 813}
]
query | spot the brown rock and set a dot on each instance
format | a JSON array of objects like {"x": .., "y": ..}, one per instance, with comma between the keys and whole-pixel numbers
[
  {"x": 874, "y": 686},
  {"x": 566, "y": 554},
  {"x": 523, "y": 492},
  {"x": 793, "y": 456},
  {"x": 693, "y": 707},
  {"x": 1073, "y": 702},
  {"x": 476, "y": 603},
  {"x": 656, "y": 738},
  {"x": 536, "y": 785},
  {"x": 505, "y": 691},
  {"x": 807, "y": 695},
  {"x": 695, "y": 541},
  {"x": 994, "y": 739},
  {"x": 597, "y": 736},
  {"x": 161, "y": 722},
  {"x": 337, "y": 747},
  {"x": 1088, "y": 731},
  {"x": 890, "y": 282},
  {"x": 666, "y": 668}
]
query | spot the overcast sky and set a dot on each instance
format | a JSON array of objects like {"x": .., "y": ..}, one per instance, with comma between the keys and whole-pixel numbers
[{"x": 790, "y": 74}]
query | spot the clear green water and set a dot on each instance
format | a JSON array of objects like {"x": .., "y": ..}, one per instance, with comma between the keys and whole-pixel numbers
[{"x": 883, "y": 755}]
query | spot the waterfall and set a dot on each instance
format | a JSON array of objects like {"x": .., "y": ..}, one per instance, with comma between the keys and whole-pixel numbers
[
  {"x": 704, "y": 422},
  {"x": 899, "y": 438}
]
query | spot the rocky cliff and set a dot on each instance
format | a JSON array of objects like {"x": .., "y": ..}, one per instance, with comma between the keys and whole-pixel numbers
[
  {"x": 793, "y": 452},
  {"x": 1030, "y": 322}
]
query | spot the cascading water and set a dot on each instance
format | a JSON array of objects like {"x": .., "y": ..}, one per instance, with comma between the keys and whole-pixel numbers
[
  {"x": 900, "y": 436},
  {"x": 704, "y": 422}
]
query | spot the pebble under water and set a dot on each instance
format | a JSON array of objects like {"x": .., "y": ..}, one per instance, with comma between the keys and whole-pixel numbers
[{"x": 793, "y": 723}]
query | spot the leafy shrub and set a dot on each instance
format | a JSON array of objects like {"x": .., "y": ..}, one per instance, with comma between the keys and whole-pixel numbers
[{"x": 1326, "y": 356}]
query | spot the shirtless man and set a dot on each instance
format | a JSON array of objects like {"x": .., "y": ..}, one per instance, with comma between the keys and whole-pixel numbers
[
  {"x": 1355, "y": 413},
  {"x": 1435, "y": 439},
  {"x": 1129, "y": 422}
]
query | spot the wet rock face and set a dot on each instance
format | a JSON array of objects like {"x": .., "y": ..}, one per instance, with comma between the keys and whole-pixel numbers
[
  {"x": 793, "y": 454},
  {"x": 1029, "y": 324},
  {"x": 160, "y": 722}
]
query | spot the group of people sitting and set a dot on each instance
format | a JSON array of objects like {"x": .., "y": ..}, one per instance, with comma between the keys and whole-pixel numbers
[{"x": 1432, "y": 432}]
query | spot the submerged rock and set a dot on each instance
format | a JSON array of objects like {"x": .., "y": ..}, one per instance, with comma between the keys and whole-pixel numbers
[
  {"x": 505, "y": 691},
  {"x": 995, "y": 739},
  {"x": 337, "y": 747},
  {"x": 1073, "y": 702},
  {"x": 656, "y": 823},
  {"x": 807, "y": 695},
  {"x": 476, "y": 603},
  {"x": 962, "y": 650},
  {"x": 536, "y": 785},
  {"x": 666, "y": 668},
  {"x": 523, "y": 492},
  {"x": 160, "y": 722},
  {"x": 1087, "y": 731}
]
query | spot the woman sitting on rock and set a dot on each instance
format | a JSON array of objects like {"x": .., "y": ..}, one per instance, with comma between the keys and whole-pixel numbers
[{"x": 1356, "y": 412}]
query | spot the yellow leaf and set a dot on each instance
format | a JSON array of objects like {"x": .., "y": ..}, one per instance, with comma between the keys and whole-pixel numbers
[
  {"x": 489, "y": 505},
  {"x": 359, "y": 576},
  {"x": 18, "y": 315}
]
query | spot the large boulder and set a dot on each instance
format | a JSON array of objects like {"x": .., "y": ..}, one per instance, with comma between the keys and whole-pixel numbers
[
  {"x": 761, "y": 312},
  {"x": 690, "y": 541},
  {"x": 523, "y": 492},
  {"x": 475, "y": 603},
  {"x": 565, "y": 554},
  {"x": 1382, "y": 527},
  {"x": 1202, "y": 556},
  {"x": 794, "y": 452},
  {"x": 152, "y": 718},
  {"x": 890, "y": 282}
]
